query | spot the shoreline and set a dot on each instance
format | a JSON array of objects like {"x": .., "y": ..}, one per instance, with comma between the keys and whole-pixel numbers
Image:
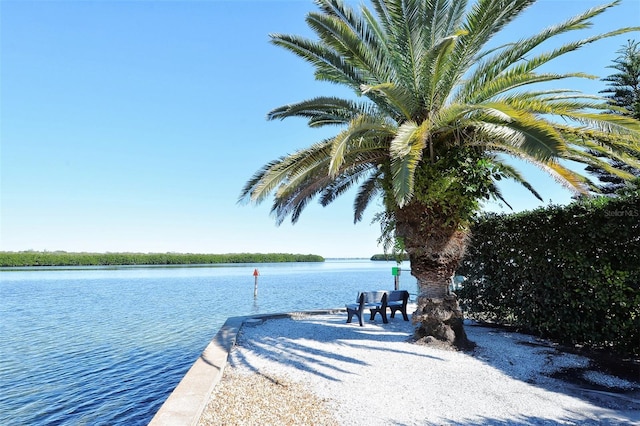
[
  {"x": 187, "y": 401},
  {"x": 235, "y": 344}
]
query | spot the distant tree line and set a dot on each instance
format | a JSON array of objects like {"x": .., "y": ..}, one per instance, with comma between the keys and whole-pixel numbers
[
  {"x": 390, "y": 256},
  {"x": 62, "y": 258}
]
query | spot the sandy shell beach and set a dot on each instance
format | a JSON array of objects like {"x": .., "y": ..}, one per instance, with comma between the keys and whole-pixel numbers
[{"x": 317, "y": 370}]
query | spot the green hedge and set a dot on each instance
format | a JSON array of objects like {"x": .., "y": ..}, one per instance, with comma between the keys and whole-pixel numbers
[
  {"x": 61, "y": 258},
  {"x": 570, "y": 273}
]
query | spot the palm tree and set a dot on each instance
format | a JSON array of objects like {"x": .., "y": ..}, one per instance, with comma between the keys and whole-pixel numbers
[
  {"x": 436, "y": 117},
  {"x": 623, "y": 91},
  {"x": 624, "y": 85}
]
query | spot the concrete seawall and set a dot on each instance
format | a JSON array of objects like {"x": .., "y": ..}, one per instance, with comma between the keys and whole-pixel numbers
[{"x": 185, "y": 404}]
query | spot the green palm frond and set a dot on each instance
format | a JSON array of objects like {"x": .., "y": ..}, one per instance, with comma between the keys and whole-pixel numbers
[
  {"x": 277, "y": 172},
  {"x": 249, "y": 191},
  {"x": 496, "y": 193},
  {"x": 540, "y": 139},
  {"x": 439, "y": 108},
  {"x": 557, "y": 104},
  {"x": 568, "y": 178},
  {"x": 293, "y": 195},
  {"x": 408, "y": 34},
  {"x": 398, "y": 98},
  {"x": 406, "y": 152},
  {"x": 565, "y": 177},
  {"x": 351, "y": 36},
  {"x": 484, "y": 19},
  {"x": 591, "y": 160},
  {"x": 514, "y": 79},
  {"x": 516, "y": 53},
  {"x": 609, "y": 123},
  {"x": 512, "y": 173},
  {"x": 367, "y": 192},
  {"x": 343, "y": 183},
  {"x": 324, "y": 111},
  {"x": 360, "y": 129},
  {"x": 625, "y": 153},
  {"x": 330, "y": 66},
  {"x": 434, "y": 68},
  {"x": 444, "y": 18},
  {"x": 501, "y": 123}
]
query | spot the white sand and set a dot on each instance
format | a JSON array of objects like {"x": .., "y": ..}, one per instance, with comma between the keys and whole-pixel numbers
[{"x": 371, "y": 375}]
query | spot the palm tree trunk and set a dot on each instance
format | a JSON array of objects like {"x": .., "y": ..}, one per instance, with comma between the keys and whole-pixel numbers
[{"x": 435, "y": 249}]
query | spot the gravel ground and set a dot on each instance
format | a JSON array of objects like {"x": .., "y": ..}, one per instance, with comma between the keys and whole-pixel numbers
[{"x": 317, "y": 370}]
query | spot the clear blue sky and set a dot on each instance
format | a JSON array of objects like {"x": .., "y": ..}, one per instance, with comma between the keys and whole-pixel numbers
[{"x": 133, "y": 125}]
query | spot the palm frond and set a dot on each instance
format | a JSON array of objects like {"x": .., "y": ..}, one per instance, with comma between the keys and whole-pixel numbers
[
  {"x": 482, "y": 22},
  {"x": 512, "y": 173},
  {"x": 359, "y": 130},
  {"x": 341, "y": 39},
  {"x": 568, "y": 178},
  {"x": 359, "y": 39},
  {"x": 586, "y": 158},
  {"x": 609, "y": 123},
  {"x": 406, "y": 152},
  {"x": 515, "y": 79},
  {"x": 338, "y": 186},
  {"x": 301, "y": 188},
  {"x": 621, "y": 150},
  {"x": 292, "y": 203},
  {"x": 434, "y": 67},
  {"x": 249, "y": 192},
  {"x": 497, "y": 194},
  {"x": 279, "y": 172},
  {"x": 397, "y": 97},
  {"x": 329, "y": 65},
  {"x": 347, "y": 179},
  {"x": 409, "y": 34},
  {"x": 368, "y": 191},
  {"x": 517, "y": 127},
  {"x": 324, "y": 111},
  {"x": 515, "y": 53}
]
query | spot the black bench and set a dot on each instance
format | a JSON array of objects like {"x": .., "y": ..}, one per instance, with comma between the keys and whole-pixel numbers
[
  {"x": 378, "y": 302},
  {"x": 397, "y": 301}
]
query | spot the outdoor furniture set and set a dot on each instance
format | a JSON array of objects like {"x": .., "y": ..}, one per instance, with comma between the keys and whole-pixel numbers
[{"x": 378, "y": 302}]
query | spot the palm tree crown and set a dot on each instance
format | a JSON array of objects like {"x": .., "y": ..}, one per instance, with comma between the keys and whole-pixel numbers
[{"x": 437, "y": 113}]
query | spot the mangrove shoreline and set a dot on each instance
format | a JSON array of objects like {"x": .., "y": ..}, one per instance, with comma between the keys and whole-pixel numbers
[{"x": 63, "y": 258}]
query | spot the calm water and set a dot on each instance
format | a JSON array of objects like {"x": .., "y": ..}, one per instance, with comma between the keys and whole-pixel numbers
[{"x": 107, "y": 346}]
